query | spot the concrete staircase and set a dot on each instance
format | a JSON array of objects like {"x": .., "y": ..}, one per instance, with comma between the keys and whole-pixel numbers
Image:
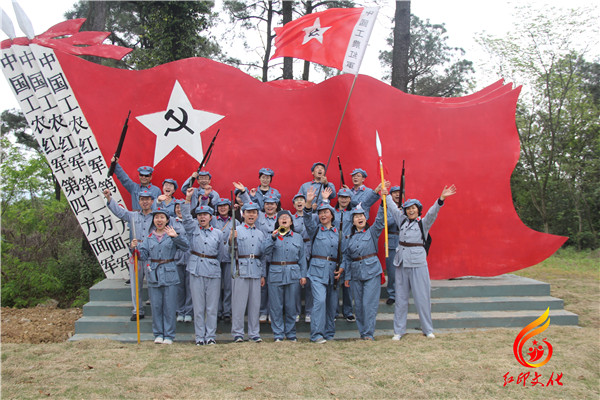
[{"x": 468, "y": 303}]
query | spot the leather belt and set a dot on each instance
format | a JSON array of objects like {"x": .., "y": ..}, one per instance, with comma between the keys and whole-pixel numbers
[
  {"x": 252, "y": 256},
  {"x": 393, "y": 233},
  {"x": 284, "y": 262},
  {"x": 203, "y": 255},
  {"x": 411, "y": 244},
  {"x": 363, "y": 257},
  {"x": 162, "y": 261},
  {"x": 307, "y": 240},
  {"x": 334, "y": 259}
]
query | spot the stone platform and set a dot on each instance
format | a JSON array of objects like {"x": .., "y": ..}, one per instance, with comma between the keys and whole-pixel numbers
[{"x": 467, "y": 303}]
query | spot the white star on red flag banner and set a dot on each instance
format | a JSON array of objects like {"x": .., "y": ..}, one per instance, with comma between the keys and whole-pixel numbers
[
  {"x": 315, "y": 32},
  {"x": 348, "y": 31},
  {"x": 179, "y": 125}
]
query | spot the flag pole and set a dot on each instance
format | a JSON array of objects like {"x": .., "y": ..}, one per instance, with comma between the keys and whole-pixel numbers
[
  {"x": 137, "y": 289},
  {"x": 341, "y": 120},
  {"x": 383, "y": 197}
]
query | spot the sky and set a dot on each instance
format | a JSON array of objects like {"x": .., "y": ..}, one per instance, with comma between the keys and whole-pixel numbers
[{"x": 464, "y": 20}]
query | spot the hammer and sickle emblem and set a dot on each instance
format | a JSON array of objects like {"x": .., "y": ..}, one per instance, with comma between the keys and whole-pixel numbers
[
  {"x": 314, "y": 32},
  {"x": 182, "y": 122}
]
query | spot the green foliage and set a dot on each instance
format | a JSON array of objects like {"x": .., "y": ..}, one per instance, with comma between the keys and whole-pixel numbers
[
  {"x": 434, "y": 68},
  {"x": 42, "y": 255},
  {"x": 158, "y": 31},
  {"x": 25, "y": 172},
  {"x": 555, "y": 184}
]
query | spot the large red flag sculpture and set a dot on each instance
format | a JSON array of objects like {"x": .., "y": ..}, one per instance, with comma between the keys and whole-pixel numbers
[
  {"x": 76, "y": 109},
  {"x": 336, "y": 37}
]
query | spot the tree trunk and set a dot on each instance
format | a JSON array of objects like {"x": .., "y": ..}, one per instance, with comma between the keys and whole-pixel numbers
[
  {"x": 265, "y": 68},
  {"x": 401, "y": 46},
  {"x": 56, "y": 188},
  {"x": 306, "y": 71},
  {"x": 288, "y": 62},
  {"x": 95, "y": 21}
]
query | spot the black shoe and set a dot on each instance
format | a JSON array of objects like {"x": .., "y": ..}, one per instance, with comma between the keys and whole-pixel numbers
[
  {"x": 133, "y": 318},
  {"x": 350, "y": 318},
  {"x": 389, "y": 302},
  {"x": 128, "y": 282},
  {"x": 227, "y": 318}
]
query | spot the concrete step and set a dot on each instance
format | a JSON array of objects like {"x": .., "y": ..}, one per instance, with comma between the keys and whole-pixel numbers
[
  {"x": 452, "y": 304},
  {"x": 502, "y": 286},
  {"x": 446, "y": 320},
  {"x": 468, "y": 303}
]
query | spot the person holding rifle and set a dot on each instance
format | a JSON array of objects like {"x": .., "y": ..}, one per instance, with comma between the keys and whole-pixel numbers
[
  {"x": 363, "y": 268},
  {"x": 142, "y": 220},
  {"x": 325, "y": 267},
  {"x": 134, "y": 189},
  {"x": 203, "y": 192},
  {"x": 204, "y": 265},
  {"x": 246, "y": 287},
  {"x": 159, "y": 249},
  {"x": 410, "y": 261}
]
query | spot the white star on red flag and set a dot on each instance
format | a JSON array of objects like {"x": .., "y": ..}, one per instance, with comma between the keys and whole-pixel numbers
[
  {"x": 315, "y": 32},
  {"x": 179, "y": 125}
]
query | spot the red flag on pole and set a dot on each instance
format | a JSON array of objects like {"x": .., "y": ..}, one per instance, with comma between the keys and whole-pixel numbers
[{"x": 336, "y": 37}]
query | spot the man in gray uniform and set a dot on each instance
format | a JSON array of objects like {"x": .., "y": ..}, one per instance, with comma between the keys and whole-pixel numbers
[
  {"x": 209, "y": 196},
  {"x": 142, "y": 221},
  {"x": 145, "y": 175},
  {"x": 319, "y": 183}
]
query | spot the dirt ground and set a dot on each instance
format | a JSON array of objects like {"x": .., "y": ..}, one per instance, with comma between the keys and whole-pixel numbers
[{"x": 42, "y": 324}]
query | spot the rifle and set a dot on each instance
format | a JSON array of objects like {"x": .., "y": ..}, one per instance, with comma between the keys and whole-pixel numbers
[
  {"x": 341, "y": 172},
  {"x": 233, "y": 244},
  {"x": 402, "y": 183},
  {"x": 339, "y": 250},
  {"x": 113, "y": 164},
  {"x": 206, "y": 157}
]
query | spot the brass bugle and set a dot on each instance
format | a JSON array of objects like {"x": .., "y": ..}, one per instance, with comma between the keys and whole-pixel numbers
[{"x": 283, "y": 230}]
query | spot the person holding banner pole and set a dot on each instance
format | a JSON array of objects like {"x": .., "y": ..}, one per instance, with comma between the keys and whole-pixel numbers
[
  {"x": 325, "y": 268},
  {"x": 139, "y": 222}
]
